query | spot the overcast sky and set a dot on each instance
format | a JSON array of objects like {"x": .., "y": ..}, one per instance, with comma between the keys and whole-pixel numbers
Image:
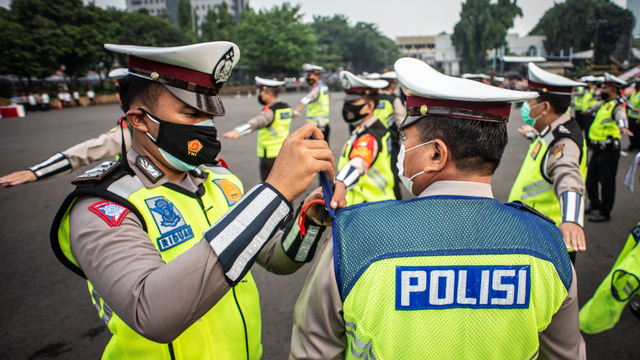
[{"x": 396, "y": 18}]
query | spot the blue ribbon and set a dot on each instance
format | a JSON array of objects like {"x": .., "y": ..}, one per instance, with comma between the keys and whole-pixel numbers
[{"x": 327, "y": 189}]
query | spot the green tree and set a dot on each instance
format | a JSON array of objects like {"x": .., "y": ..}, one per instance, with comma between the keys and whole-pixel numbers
[
  {"x": 275, "y": 40},
  {"x": 333, "y": 33},
  {"x": 483, "y": 26},
  {"x": 185, "y": 17},
  {"x": 573, "y": 24},
  {"x": 219, "y": 25}
]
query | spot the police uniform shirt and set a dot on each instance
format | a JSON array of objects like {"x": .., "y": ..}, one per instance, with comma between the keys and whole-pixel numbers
[
  {"x": 264, "y": 119},
  {"x": 103, "y": 147},
  {"x": 399, "y": 111},
  {"x": 563, "y": 163},
  {"x": 319, "y": 328},
  {"x": 129, "y": 273},
  {"x": 312, "y": 96},
  {"x": 619, "y": 113}
]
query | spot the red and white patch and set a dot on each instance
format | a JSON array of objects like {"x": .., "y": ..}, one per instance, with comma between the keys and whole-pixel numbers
[
  {"x": 364, "y": 148},
  {"x": 110, "y": 212}
]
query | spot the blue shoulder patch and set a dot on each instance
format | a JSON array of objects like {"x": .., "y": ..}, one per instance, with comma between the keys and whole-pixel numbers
[{"x": 171, "y": 225}]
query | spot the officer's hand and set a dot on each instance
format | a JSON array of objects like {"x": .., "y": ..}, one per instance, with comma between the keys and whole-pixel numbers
[
  {"x": 232, "y": 134},
  {"x": 298, "y": 108},
  {"x": 626, "y": 131},
  {"x": 299, "y": 161},
  {"x": 17, "y": 178},
  {"x": 573, "y": 236},
  {"x": 524, "y": 129},
  {"x": 338, "y": 201}
]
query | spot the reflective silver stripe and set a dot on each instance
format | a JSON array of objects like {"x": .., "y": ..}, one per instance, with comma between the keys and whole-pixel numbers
[
  {"x": 106, "y": 317},
  {"x": 257, "y": 242},
  {"x": 53, "y": 159},
  {"x": 291, "y": 237},
  {"x": 367, "y": 347},
  {"x": 548, "y": 138},
  {"x": 307, "y": 242},
  {"x": 606, "y": 121},
  {"x": 536, "y": 192},
  {"x": 56, "y": 166},
  {"x": 572, "y": 207},
  {"x": 244, "y": 129},
  {"x": 96, "y": 298},
  {"x": 126, "y": 186},
  {"x": 237, "y": 226},
  {"x": 534, "y": 185},
  {"x": 377, "y": 177},
  {"x": 273, "y": 132}
]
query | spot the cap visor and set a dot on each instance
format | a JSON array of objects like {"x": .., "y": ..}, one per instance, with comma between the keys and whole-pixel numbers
[
  {"x": 351, "y": 97},
  {"x": 206, "y": 103},
  {"x": 410, "y": 120}
]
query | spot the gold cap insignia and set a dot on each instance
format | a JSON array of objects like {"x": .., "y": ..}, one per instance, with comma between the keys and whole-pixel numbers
[
  {"x": 155, "y": 75},
  {"x": 423, "y": 109}
]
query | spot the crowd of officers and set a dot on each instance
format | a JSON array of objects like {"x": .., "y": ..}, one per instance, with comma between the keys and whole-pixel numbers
[{"x": 367, "y": 294}]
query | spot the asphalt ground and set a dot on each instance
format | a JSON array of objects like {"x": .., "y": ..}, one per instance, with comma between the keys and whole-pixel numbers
[{"x": 46, "y": 312}]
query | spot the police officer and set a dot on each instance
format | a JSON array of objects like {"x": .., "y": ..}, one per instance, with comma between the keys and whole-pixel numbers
[
  {"x": 365, "y": 162},
  {"x": 610, "y": 121},
  {"x": 316, "y": 101},
  {"x": 272, "y": 124},
  {"x": 552, "y": 176},
  {"x": 391, "y": 112},
  {"x": 104, "y": 146},
  {"x": 453, "y": 274},
  {"x": 590, "y": 98},
  {"x": 133, "y": 228},
  {"x": 633, "y": 114}
]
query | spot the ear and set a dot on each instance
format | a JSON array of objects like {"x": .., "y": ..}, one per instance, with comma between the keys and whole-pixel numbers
[
  {"x": 137, "y": 119},
  {"x": 437, "y": 156},
  {"x": 547, "y": 108}
]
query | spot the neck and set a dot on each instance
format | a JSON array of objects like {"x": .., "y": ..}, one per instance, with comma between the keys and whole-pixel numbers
[
  {"x": 449, "y": 174},
  {"x": 365, "y": 119},
  {"x": 545, "y": 121},
  {"x": 173, "y": 175}
]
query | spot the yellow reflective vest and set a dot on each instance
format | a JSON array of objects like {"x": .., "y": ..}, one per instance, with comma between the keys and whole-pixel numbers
[
  {"x": 319, "y": 109},
  {"x": 604, "y": 125},
  {"x": 634, "y": 99},
  {"x": 532, "y": 186},
  {"x": 384, "y": 110},
  {"x": 271, "y": 138},
  {"x": 377, "y": 183},
  {"x": 174, "y": 221}
]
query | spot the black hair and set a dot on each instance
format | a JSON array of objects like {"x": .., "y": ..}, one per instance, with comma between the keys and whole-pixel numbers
[
  {"x": 559, "y": 103},
  {"x": 374, "y": 96},
  {"x": 134, "y": 88},
  {"x": 475, "y": 146}
]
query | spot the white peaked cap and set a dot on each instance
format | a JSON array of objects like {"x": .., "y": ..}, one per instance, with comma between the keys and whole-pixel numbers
[
  {"x": 193, "y": 73},
  {"x": 268, "y": 83},
  {"x": 613, "y": 80},
  {"x": 476, "y": 76},
  {"x": 312, "y": 68},
  {"x": 355, "y": 87},
  {"x": 118, "y": 73},
  {"x": 431, "y": 92},
  {"x": 546, "y": 82},
  {"x": 389, "y": 75},
  {"x": 372, "y": 76}
]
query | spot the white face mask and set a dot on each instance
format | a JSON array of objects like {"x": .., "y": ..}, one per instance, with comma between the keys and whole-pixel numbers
[{"x": 408, "y": 182}]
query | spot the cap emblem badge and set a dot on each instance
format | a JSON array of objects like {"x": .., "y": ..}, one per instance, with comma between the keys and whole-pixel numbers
[
  {"x": 423, "y": 109},
  {"x": 194, "y": 146},
  {"x": 155, "y": 75},
  {"x": 345, "y": 82},
  {"x": 223, "y": 69}
]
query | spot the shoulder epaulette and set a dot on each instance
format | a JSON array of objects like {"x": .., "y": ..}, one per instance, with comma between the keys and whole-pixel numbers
[
  {"x": 522, "y": 206},
  {"x": 98, "y": 173}
]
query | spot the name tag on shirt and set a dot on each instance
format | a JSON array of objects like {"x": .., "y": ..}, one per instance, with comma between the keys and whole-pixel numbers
[{"x": 451, "y": 287}]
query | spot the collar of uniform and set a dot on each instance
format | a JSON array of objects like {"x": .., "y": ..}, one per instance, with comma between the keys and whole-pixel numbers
[
  {"x": 367, "y": 124},
  {"x": 458, "y": 188},
  {"x": 274, "y": 101},
  {"x": 560, "y": 120},
  {"x": 132, "y": 155}
]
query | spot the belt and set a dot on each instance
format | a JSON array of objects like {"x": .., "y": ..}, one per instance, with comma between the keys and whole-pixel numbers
[{"x": 605, "y": 142}]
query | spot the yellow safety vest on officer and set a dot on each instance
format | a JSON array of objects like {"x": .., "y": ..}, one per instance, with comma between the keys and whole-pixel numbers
[
  {"x": 271, "y": 138},
  {"x": 578, "y": 99},
  {"x": 533, "y": 186},
  {"x": 318, "y": 111},
  {"x": 604, "y": 126},
  {"x": 174, "y": 223},
  {"x": 384, "y": 110},
  {"x": 377, "y": 183}
]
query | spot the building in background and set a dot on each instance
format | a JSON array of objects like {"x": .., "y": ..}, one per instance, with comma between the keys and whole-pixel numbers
[
  {"x": 634, "y": 7},
  {"x": 201, "y": 7},
  {"x": 437, "y": 51}
]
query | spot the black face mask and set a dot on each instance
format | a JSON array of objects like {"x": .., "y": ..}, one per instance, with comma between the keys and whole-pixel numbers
[
  {"x": 262, "y": 102},
  {"x": 311, "y": 81},
  {"x": 192, "y": 144},
  {"x": 351, "y": 113}
]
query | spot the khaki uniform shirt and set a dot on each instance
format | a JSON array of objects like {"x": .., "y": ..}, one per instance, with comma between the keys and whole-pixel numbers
[
  {"x": 104, "y": 146},
  {"x": 563, "y": 163},
  {"x": 318, "y": 324},
  {"x": 156, "y": 299}
]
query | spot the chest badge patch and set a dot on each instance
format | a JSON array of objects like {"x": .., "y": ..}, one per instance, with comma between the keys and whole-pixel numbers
[
  {"x": 536, "y": 150},
  {"x": 171, "y": 225},
  {"x": 110, "y": 212},
  {"x": 194, "y": 147},
  {"x": 231, "y": 192}
]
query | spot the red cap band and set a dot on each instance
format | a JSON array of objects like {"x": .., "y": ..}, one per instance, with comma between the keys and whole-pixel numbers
[
  {"x": 192, "y": 76},
  {"x": 544, "y": 88},
  {"x": 493, "y": 108}
]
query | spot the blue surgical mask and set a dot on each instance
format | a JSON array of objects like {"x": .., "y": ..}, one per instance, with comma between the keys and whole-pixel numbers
[{"x": 525, "y": 110}]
